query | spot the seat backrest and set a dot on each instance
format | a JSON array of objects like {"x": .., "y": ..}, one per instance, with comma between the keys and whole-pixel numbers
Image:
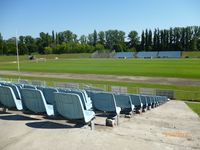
[
  {"x": 15, "y": 89},
  {"x": 123, "y": 101},
  {"x": 32, "y": 100},
  {"x": 29, "y": 86},
  {"x": 153, "y": 99},
  {"x": 81, "y": 95},
  {"x": 143, "y": 99},
  {"x": 148, "y": 100},
  {"x": 104, "y": 101},
  {"x": 48, "y": 94},
  {"x": 6, "y": 97},
  {"x": 69, "y": 105},
  {"x": 136, "y": 100}
]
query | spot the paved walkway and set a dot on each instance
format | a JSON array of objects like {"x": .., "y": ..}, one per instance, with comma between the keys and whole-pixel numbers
[{"x": 172, "y": 126}]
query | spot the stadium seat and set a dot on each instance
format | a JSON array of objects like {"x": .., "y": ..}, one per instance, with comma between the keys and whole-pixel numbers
[
  {"x": 48, "y": 93},
  {"x": 15, "y": 89},
  {"x": 105, "y": 102},
  {"x": 8, "y": 98},
  {"x": 144, "y": 102},
  {"x": 86, "y": 101},
  {"x": 70, "y": 106},
  {"x": 34, "y": 101},
  {"x": 136, "y": 101},
  {"x": 27, "y": 86},
  {"x": 124, "y": 102}
]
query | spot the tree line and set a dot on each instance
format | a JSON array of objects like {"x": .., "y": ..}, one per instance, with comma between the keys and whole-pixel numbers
[{"x": 178, "y": 38}]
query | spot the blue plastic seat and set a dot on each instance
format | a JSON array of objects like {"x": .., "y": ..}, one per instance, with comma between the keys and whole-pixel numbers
[
  {"x": 27, "y": 86},
  {"x": 144, "y": 101},
  {"x": 136, "y": 101},
  {"x": 149, "y": 102},
  {"x": 15, "y": 89},
  {"x": 8, "y": 98},
  {"x": 86, "y": 101},
  {"x": 105, "y": 102},
  {"x": 124, "y": 102},
  {"x": 70, "y": 106},
  {"x": 34, "y": 101},
  {"x": 48, "y": 93}
]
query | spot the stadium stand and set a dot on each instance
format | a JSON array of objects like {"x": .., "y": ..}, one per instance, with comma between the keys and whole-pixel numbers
[
  {"x": 149, "y": 54},
  {"x": 124, "y": 54},
  {"x": 169, "y": 54},
  {"x": 74, "y": 104},
  {"x": 152, "y": 54}
]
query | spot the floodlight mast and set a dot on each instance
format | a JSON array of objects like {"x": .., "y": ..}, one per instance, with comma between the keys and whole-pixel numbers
[{"x": 17, "y": 49}]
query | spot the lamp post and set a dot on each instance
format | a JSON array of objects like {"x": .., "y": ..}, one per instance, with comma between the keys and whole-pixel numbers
[{"x": 18, "y": 67}]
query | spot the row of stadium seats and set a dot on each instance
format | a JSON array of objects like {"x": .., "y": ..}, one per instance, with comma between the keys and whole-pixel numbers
[
  {"x": 74, "y": 104},
  {"x": 149, "y": 54}
]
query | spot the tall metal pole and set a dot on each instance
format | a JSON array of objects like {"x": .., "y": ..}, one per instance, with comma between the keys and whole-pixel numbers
[{"x": 18, "y": 67}]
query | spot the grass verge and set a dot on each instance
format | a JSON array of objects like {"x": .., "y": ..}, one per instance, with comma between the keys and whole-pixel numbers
[{"x": 195, "y": 107}]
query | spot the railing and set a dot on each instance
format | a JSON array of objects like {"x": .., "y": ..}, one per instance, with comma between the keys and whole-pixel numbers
[{"x": 173, "y": 94}]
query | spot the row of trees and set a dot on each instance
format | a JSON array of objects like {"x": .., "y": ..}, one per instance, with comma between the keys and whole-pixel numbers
[{"x": 184, "y": 39}]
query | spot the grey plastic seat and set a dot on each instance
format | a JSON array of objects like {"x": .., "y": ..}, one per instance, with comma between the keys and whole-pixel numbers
[
  {"x": 70, "y": 106},
  {"x": 105, "y": 102},
  {"x": 124, "y": 102},
  {"x": 136, "y": 101},
  {"x": 87, "y": 103},
  {"x": 34, "y": 101},
  {"x": 48, "y": 94},
  {"x": 144, "y": 102},
  {"x": 27, "y": 86},
  {"x": 149, "y": 102},
  {"x": 15, "y": 89},
  {"x": 8, "y": 98}
]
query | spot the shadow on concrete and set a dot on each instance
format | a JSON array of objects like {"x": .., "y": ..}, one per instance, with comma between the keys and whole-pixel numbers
[
  {"x": 51, "y": 125},
  {"x": 16, "y": 118}
]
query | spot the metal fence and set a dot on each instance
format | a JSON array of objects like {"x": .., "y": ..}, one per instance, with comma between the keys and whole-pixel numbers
[{"x": 172, "y": 94}]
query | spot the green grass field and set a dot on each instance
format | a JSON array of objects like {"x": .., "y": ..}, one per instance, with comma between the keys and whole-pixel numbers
[
  {"x": 50, "y": 56},
  {"x": 195, "y": 107},
  {"x": 79, "y": 63},
  {"x": 181, "y": 68},
  {"x": 190, "y": 54}
]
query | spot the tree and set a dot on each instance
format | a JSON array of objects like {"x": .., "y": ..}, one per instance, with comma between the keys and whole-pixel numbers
[
  {"x": 101, "y": 38},
  {"x": 142, "y": 44},
  {"x": 146, "y": 39},
  {"x": 99, "y": 47},
  {"x": 1, "y": 44},
  {"x": 114, "y": 40},
  {"x": 133, "y": 39},
  {"x": 11, "y": 46},
  {"x": 83, "y": 39},
  {"x": 149, "y": 40},
  {"x": 94, "y": 38},
  {"x": 90, "y": 39}
]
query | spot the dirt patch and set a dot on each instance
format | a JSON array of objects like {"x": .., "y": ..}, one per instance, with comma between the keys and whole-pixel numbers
[{"x": 135, "y": 79}]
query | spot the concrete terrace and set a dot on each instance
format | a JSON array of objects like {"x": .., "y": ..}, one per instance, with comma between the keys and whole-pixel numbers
[{"x": 170, "y": 126}]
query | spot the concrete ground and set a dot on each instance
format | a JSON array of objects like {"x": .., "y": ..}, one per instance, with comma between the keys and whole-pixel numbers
[{"x": 172, "y": 126}]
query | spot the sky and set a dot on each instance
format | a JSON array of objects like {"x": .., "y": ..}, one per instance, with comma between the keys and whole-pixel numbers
[{"x": 30, "y": 17}]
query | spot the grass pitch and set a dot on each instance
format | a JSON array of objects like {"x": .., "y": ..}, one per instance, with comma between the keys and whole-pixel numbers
[{"x": 180, "y": 68}]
